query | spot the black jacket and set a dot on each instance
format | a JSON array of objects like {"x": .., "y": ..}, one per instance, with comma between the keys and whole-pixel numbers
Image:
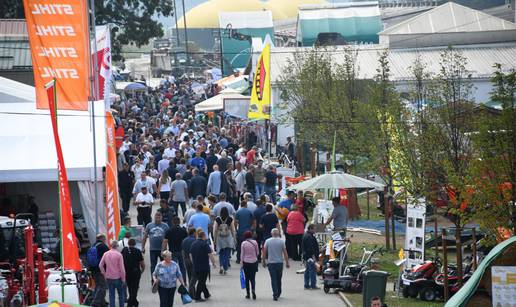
[
  {"x": 125, "y": 181},
  {"x": 310, "y": 246},
  {"x": 197, "y": 186}
]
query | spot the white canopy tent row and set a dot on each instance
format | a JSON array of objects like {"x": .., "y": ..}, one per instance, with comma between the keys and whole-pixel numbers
[
  {"x": 230, "y": 101},
  {"x": 28, "y": 160}
]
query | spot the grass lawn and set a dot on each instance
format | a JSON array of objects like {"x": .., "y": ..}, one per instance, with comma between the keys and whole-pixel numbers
[
  {"x": 356, "y": 300},
  {"x": 373, "y": 212},
  {"x": 386, "y": 261}
]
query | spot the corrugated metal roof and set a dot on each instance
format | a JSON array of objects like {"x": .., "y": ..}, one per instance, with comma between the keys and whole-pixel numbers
[
  {"x": 13, "y": 29},
  {"x": 480, "y": 59},
  {"x": 450, "y": 17},
  {"x": 15, "y": 54}
]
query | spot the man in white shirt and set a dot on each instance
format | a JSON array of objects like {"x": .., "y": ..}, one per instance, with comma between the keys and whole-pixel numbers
[
  {"x": 144, "y": 181},
  {"x": 170, "y": 151},
  {"x": 238, "y": 175},
  {"x": 138, "y": 168},
  {"x": 223, "y": 203},
  {"x": 144, "y": 202}
]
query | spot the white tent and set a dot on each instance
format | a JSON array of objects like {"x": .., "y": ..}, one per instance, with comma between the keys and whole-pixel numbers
[
  {"x": 217, "y": 102},
  {"x": 28, "y": 160},
  {"x": 28, "y": 151}
]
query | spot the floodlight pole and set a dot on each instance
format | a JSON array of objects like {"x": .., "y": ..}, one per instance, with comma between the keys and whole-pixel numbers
[{"x": 93, "y": 95}]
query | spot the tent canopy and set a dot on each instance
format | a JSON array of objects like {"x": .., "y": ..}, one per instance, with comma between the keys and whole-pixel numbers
[
  {"x": 27, "y": 141},
  {"x": 336, "y": 180},
  {"x": 217, "y": 102}
]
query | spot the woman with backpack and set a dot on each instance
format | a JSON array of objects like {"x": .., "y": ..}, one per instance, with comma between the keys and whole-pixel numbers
[
  {"x": 249, "y": 256},
  {"x": 224, "y": 236}
]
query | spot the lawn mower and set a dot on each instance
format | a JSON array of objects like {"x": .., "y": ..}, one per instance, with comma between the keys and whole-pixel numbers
[
  {"x": 412, "y": 280},
  {"x": 349, "y": 277},
  {"x": 435, "y": 289},
  {"x": 333, "y": 270}
]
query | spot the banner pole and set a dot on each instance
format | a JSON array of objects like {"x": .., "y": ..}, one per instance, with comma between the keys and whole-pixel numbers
[
  {"x": 93, "y": 95},
  {"x": 60, "y": 205}
]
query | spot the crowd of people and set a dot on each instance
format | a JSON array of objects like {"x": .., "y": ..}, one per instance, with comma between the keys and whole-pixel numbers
[{"x": 215, "y": 196}]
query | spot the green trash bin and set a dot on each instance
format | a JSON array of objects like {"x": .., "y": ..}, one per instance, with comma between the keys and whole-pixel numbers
[{"x": 375, "y": 283}]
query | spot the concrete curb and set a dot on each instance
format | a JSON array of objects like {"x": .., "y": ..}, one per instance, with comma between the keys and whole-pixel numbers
[{"x": 344, "y": 299}]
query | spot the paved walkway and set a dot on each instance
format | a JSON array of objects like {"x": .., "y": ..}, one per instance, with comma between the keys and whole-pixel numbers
[{"x": 226, "y": 291}]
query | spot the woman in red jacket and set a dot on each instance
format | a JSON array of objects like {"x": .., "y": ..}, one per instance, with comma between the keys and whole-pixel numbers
[{"x": 295, "y": 231}]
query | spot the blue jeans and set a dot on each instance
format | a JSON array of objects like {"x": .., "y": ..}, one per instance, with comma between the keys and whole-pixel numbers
[
  {"x": 259, "y": 189},
  {"x": 271, "y": 192},
  {"x": 154, "y": 257},
  {"x": 224, "y": 258},
  {"x": 310, "y": 277},
  {"x": 118, "y": 285},
  {"x": 276, "y": 272}
]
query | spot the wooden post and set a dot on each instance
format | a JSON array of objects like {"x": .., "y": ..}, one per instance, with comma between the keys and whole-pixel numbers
[
  {"x": 391, "y": 208},
  {"x": 458, "y": 252},
  {"x": 436, "y": 234},
  {"x": 368, "y": 211},
  {"x": 386, "y": 215},
  {"x": 313, "y": 172},
  {"x": 474, "y": 248},
  {"x": 302, "y": 159},
  {"x": 445, "y": 266}
]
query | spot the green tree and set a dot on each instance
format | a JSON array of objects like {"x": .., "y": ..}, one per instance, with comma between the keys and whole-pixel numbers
[
  {"x": 323, "y": 97},
  {"x": 451, "y": 113},
  {"x": 495, "y": 144},
  {"x": 133, "y": 21}
]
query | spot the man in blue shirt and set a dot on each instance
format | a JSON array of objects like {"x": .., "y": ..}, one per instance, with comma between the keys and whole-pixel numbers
[
  {"x": 287, "y": 203},
  {"x": 200, "y": 219},
  {"x": 199, "y": 162},
  {"x": 214, "y": 182},
  {"x": 244, "y": 221}
]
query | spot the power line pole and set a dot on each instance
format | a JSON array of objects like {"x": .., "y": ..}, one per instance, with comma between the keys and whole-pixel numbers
[
  {"x": 93, "y": 95},
  {"x": 177, "y": 27},
  {"x": 186, "y": 33}
]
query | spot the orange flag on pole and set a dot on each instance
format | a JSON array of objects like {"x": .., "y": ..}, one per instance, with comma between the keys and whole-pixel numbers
[
  {"x": 59, "y": 35},
  {"x": 69, "y": 248},
  {"x": 112, "y": 208}
]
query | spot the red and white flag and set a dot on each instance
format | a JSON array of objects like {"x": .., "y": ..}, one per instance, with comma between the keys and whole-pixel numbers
[
  {"x": 103, "y": 44},
  {"x": 69, "y": 247}
]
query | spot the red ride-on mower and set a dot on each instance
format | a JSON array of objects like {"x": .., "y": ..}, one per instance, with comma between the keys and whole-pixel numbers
[{"x": 412, "y": 280}]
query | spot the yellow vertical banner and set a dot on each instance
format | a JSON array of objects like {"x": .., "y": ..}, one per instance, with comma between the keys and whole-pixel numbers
[{"x": 260, "y": 104}]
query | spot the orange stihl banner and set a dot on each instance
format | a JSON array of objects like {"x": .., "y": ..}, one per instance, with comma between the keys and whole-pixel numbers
[
  {"x": 58, "y": 34},
  {"x": 112, "y": 209},
  {"x": 69, "y": 243}
]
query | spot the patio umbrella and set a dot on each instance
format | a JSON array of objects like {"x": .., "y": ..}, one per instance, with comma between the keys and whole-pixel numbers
[
  {"x": 135, "y": 86},
  {"x": 336, "y": 180},
  {"x": 57, "y": 304}
]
